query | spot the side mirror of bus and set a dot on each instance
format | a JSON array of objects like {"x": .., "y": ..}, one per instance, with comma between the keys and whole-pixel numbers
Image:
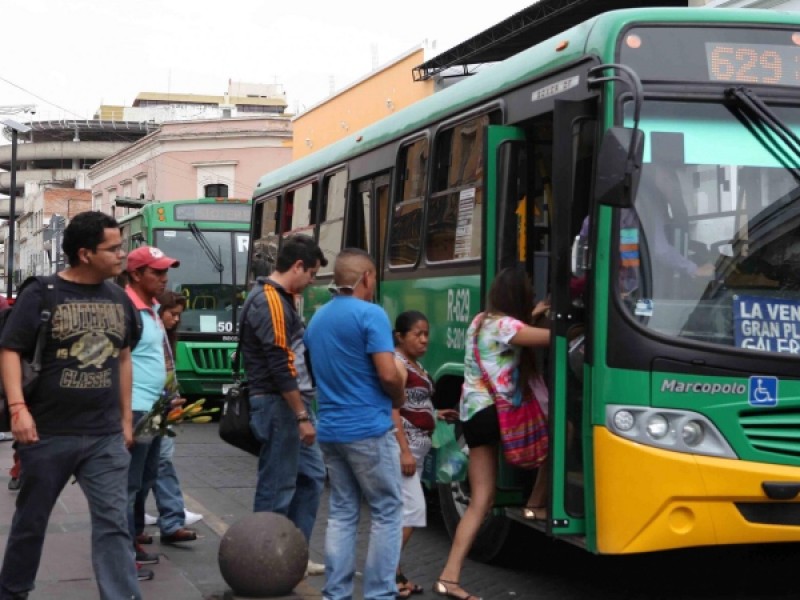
[{"x": 619, "y": 166}]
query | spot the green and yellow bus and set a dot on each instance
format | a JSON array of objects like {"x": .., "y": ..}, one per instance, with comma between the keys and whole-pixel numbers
[
  {"x": 210, "y": 236},
  {"x": 673, "y": 368}
]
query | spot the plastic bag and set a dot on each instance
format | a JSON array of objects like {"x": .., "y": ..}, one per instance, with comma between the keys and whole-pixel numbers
[{"x": 451, "y": 460}]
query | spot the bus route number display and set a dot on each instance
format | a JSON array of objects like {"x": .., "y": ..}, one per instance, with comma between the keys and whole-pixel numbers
[
  {"x": 227, "y": 213},
  {"x": 768, "y": 64}
]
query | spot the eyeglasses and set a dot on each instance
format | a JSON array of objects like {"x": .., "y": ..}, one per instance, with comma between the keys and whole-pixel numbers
[
  {"x": 338, "y": 289},
  {"x": 112, "y": 249}
]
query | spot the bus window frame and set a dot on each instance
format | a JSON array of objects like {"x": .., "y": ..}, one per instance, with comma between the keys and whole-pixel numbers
[
  {"x": 323, "y": 204},
  {"x": 288, "y": 192},
  {"x": 492, "y": 113},
  {"x": 397, "y": 188}
]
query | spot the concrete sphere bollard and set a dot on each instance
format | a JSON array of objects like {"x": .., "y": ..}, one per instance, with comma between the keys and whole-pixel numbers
[{"x": 263, "y": 554}]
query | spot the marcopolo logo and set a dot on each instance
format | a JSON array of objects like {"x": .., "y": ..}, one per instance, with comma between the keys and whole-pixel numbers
[{"x": 699, "y": 387}]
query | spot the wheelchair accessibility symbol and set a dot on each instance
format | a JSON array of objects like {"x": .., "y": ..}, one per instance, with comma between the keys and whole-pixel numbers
[{"x": 763, "y": 391}]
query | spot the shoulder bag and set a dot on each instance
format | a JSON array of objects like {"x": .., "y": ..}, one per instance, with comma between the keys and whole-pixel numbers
[
  {"x": 234, "y": 425},
  {"x": 523, "y": 427}
]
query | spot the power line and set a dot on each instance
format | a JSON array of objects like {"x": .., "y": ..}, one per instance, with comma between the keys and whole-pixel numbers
[{"x": 38, "y": 97}]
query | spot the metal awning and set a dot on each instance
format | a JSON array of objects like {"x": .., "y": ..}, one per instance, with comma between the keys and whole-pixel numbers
[{"x": 520, "y": 31}]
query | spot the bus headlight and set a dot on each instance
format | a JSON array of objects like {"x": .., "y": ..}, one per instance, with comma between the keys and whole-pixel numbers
[
  {"x": 657, "y": 426},
  {"x": 623, "y": 420},
  {"x": 692, "y": 433},
  {"x": 669, "y": 429}
]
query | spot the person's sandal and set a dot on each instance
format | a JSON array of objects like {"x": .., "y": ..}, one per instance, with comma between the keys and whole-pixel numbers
[
  {"x": 441, "y": 588},
  {"x": 404, "y": 585},
  {"x": 534, "y": 513}
]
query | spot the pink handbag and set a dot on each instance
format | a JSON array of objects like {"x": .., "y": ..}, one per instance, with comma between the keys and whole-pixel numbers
[{"x": 523, "y": 428}]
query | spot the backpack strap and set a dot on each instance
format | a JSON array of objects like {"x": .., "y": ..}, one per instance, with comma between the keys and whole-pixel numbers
[{"x": 47, "y": 307}]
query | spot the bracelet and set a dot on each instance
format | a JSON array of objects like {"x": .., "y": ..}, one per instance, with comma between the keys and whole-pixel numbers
[
  {"x": 19, "y": 405},
  {"x": 302, "y": 416}
]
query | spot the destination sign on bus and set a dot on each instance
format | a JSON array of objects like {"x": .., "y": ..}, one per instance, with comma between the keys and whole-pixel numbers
[
  {"x": 754, "y": 63},
  {"x": 227, "y": 213},
  {"x": 736, "y": 55}
]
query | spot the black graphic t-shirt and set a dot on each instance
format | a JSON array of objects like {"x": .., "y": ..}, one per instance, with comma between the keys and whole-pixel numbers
[{"x": 78, "y": 389}]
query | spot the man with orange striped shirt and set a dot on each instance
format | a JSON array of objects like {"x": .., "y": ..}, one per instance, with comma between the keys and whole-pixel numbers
[{"x": 291, "y": 471}]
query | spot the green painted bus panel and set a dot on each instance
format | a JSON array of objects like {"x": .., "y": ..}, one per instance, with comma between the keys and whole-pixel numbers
[{"x": 450, "y": 303}]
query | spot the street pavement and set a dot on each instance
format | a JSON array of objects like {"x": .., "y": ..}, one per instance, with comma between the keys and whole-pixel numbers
[
  {"x": 218, "y": 481},
  {"x": 186, "y": 572}
]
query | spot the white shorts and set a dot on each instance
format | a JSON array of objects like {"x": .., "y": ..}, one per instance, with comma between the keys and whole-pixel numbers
[{"x": 414, "y": 511}]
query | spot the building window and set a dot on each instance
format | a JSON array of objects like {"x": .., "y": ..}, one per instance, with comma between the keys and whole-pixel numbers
[{"x": 216, "y": 190}]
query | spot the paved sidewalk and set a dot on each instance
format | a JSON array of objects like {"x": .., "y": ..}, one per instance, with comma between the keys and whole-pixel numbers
[{"x": 66, "y": 571}]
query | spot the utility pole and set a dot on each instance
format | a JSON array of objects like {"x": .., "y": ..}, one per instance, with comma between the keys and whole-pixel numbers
[{"x": 16, "y": 129}]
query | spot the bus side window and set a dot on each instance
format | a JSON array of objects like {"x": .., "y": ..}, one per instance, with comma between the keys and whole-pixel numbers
[
  {"x": 406, "y": 233},
  {"x": 454, "y": 215},
  {"x": 298, "y": 215},
  {"x": 332, "y": 218},
  {"x": 265, "y": 246}
]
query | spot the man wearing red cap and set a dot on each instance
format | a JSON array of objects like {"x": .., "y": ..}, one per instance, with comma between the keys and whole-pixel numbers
[{"x": 147, "y": 269}]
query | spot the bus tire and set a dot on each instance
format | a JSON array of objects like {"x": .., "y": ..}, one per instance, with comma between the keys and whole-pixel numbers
[{"x": 494, "y": 531}]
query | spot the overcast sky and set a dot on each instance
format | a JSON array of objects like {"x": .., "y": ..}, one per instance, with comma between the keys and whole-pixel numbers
[{"x": 70, "y": 56}]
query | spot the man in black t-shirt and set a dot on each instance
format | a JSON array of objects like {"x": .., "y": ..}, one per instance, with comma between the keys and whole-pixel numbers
[{"x": 78, "y": 420}]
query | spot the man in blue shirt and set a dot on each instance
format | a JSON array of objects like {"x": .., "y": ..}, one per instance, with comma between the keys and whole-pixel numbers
[
  {"x": 147, "y": 272},
  {"x": 352, "y": 355}
]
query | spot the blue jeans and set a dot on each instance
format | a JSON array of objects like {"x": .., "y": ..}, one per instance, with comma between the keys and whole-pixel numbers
[
  {"x": 291, "y": 475},
  {"x": 142, "y": 474},
  {"x": 100, "y": 464},
  {"x": 167, "y": 492},
  {"x": 368, "y": 468}
]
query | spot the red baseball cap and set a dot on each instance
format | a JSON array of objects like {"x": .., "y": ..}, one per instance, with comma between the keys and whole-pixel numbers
[{"x": 147, "y": 256}]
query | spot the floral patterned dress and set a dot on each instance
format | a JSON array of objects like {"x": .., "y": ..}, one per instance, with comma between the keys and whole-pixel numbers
[{"x": 498, "y": 357}]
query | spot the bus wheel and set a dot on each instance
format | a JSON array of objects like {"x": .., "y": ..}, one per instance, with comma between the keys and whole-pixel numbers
[{"x": 494, "y": 531}]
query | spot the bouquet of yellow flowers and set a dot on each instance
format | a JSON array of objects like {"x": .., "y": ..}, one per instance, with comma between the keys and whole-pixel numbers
[{"x": 163, "y": 414}]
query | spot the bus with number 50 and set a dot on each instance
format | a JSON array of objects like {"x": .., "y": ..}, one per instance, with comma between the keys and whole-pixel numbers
[
  {"x": 644, "y": 168},
  {"x": 210, "y": 237}
]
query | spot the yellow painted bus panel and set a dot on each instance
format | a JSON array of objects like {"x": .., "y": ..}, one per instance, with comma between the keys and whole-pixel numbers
[{"x": 650, "y": 499}]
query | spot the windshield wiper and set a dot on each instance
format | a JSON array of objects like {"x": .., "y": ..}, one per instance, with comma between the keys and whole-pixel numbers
[
  {"x": 757, "y": 110},
  {"x": 201, "y": 239}
]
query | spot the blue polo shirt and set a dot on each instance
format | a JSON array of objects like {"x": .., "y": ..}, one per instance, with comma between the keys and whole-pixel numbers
[{"x": 149, "y": 364}]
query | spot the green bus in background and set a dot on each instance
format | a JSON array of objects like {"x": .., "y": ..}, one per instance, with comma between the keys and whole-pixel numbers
[
  {"x": 210, "y": 237},
  {"x": 644, "y": 167}
]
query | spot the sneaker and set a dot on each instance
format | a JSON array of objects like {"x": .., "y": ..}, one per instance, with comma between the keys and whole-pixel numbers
[
  {"x": 315, "y": 568},
  {"x": 143, "y": 557},
  {"x": 191, "y": 518},
  {"x": 150, "y": 519},
  {"x": 143, "y": 574}
]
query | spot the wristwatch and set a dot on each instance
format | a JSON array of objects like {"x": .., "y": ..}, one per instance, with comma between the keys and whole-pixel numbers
[{"x": 302, "y": 416}]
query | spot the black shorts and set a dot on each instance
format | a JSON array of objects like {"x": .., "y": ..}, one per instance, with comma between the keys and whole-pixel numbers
[{"x": 482, "y": 429}]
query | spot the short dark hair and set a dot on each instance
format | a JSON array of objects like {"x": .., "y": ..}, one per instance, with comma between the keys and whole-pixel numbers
[
  {"x": 406, "y": 320},
  {"x": 299, "y": 247},
  {"x": 86, "y": 230},
  {"x": 512, "y": 294}
]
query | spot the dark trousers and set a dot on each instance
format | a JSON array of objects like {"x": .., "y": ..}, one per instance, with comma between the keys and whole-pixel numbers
[
  {"x": 142, "y": 475},
  {"x": 100, "y": 465}
]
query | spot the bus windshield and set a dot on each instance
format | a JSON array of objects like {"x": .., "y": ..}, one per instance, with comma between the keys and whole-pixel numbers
[
  {"x": 711, "y": 250},
  {"x": 212, "y": 295}
]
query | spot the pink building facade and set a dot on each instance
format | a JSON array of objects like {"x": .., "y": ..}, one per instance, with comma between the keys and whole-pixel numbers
[{"x": 193, "y": 159}]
